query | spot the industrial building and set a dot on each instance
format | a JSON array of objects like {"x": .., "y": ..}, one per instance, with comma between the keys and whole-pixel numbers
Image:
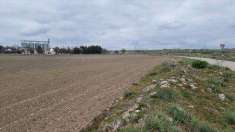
[{"x": 31, "y": 47}]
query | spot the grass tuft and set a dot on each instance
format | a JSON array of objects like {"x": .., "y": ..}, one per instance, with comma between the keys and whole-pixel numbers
[
  {"x": 198, "y": 126},
  {"x": 179, "y": 114},
  {"x": 230, "y": 117},
  {"x": 166, "y": 94},
  {"x": 215, "y": 84},
  {"x": 160, "y": 122}
]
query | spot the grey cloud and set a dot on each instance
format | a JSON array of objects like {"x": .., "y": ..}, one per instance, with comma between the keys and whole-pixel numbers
[{"x": 121, "y": 24}]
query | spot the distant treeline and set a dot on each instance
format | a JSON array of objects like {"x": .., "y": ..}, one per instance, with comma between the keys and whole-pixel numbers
[{"x": 93, "y": 49}]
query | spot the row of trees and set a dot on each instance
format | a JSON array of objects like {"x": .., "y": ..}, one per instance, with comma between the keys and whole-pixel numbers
[{"x": 93, "y": 49}]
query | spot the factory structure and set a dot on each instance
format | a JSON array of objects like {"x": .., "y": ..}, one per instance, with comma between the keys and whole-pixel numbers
[{"x": 36, "y": 47}]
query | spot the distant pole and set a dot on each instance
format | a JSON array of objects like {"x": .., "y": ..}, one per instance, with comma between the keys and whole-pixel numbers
[{"x": 222, "y": 46}]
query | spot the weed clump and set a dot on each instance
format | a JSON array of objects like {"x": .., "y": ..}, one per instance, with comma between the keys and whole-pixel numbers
[
  {"x": 227, "y": 76},
  {"x": 160, "y": 122},
  {"x": 179, "y": 114},
  {"x": 128, "y": 94},
  {"x": 215, "y": 84},
  {"x": 198, "y": 64},
  {"x": 166, "y": 94},
  {"x": 230, "y": 117},
  {"x": 198, "y": 126}
]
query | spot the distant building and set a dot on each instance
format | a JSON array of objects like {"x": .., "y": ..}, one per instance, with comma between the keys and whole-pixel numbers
[{"x": 30, "y": 47}]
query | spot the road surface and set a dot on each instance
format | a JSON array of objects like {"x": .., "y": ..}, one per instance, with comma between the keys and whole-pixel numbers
[{"x": 224, "y": 63}]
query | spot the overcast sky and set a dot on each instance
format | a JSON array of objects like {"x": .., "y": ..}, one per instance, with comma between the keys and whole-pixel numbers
[{"x": 116, "y": 24}]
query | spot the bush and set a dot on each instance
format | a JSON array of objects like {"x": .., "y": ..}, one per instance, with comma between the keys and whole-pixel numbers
[
  {"x": 166, "y": 94},
  {"x": 230, "y": 117},
  {"x": 179, "y": 115},
  {"x": 161, "y": 123},
  {"x": 199, "y": 64}
]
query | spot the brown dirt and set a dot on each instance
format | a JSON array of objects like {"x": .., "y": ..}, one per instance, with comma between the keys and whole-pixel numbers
[{"x": 63, "y": 93}]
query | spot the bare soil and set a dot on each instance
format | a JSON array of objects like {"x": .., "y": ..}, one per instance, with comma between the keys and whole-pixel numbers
[{"x": 64, "y": 93}]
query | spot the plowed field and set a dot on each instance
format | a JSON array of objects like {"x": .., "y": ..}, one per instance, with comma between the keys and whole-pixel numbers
[{"x": 63, "y": 93}]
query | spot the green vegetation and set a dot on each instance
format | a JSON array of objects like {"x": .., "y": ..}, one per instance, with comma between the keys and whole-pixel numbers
[
  {"x": 179, "y": 114},
  {"x": 199, "y": 64},
  {"x": 183, "y": 97},
  {"x": 230, "y": 117},
  {"x": 160, "y": 122},
  {"x": 166, "y": 94},
  {"x": 198, "y": 126},
  {"x": 128, "y": 94}
]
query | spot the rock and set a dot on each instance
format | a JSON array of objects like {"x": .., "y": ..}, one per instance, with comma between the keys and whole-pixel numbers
[
  {"x": 191, "y": 106},
  {"x": 172, "y": 80},
  {"x": 209, "y": 90},
  {"x": 165, "y": 86},
  {"x": 222, "y": 97},
  {"x": 153, "y": 94},
  {"x": 193, "y": 86},
  {"x": 182, "y": 80},
  {"x": 150, "y": 87},
  {"x": 163, "y": 82},
  {"x": 139, "y": 99},
  {"x": 180, "y": 85},
  {"x": 170, "y": 119},
  {"x": 154, "y": 81},
  {"x": 125, "y": 116}
]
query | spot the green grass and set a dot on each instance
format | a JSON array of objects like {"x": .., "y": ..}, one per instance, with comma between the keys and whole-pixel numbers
[
  {"x": 230, "y": 117},
  {"x": 215, "y": 84},
  {"x": 179, "y": 114},
  {"x": 198, "y": 126},
  {"x": 166, "y": 94},
  {"x": 198, "y": 64},
  {"x": 160, "y": 122},
  {"x": 179, "y": 108}
]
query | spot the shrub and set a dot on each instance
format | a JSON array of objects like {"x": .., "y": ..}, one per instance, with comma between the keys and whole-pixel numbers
[
  {"x": 199, "y": 64},
  {"x": 166, "y": 94},
  {"x": 230, "y": 117},
  {"x": 198, "y": 126},
  {"x": 161, "y": 123},
  {"x": 179, "y": 115}
]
